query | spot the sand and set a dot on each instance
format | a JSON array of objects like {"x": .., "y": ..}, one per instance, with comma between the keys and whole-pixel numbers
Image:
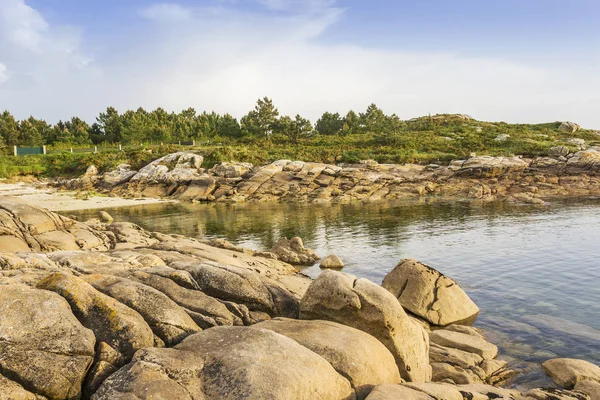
[{"x": 54, "y": 200}]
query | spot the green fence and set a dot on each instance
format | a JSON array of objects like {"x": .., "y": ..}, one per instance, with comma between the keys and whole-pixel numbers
[{"x": 24, "y": 151}]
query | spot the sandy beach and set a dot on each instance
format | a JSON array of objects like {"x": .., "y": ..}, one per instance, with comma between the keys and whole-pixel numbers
[{"x": 47, "y": 197}]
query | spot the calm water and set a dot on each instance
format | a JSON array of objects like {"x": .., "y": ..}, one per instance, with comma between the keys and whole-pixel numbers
[{"x": 534, "y": 272}]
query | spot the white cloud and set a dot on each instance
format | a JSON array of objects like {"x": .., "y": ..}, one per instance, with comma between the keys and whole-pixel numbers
[
  {"x": 167, "y": 12},
  {"x": 223, "y": 59},
  {"x": 21, "y": 25},
  {"x": 309, "y": 6}
]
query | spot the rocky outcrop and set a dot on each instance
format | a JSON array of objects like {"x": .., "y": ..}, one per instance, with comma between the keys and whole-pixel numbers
[
  {"x": 164, "y": 316},
  {"x": 479, "y": 178},
  {"x": 27, "y": 228},
  {"x": 359, "y": 303},
  {"x": 429, "y": 294}
]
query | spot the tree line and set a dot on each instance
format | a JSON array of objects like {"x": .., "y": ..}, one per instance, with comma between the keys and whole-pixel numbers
[{"x": 141, "y": 126}]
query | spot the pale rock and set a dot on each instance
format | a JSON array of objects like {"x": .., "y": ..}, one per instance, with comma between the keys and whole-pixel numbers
[{"x": 429, "y": 294}]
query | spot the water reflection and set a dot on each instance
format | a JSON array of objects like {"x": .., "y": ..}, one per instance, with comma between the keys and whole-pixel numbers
[{"x": 532, "y": 270}]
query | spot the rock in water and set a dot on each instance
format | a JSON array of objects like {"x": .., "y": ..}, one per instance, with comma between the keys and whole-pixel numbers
[
  {"x": 293, "y": 252},
  {"x": 568, "y": 372},
  {"x": 228, "y": 363},
  {"x": 332, "y": 262},
  {"x": 361, "y": 358},
  {"x": 105, "y": 217},
  {"x": 429, "y": 294},
  {"x": 361, "y": 304},
  {"x": 43, "y": 348}
]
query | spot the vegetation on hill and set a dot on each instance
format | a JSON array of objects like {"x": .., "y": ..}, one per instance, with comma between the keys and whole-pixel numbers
[{"x": 263, "y": 136}]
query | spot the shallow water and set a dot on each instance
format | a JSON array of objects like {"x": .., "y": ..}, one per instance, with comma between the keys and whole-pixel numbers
[{"x": 533, "y": 271}]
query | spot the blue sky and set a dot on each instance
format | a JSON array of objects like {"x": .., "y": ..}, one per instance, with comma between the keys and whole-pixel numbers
[{"x": 513, "y": 60}]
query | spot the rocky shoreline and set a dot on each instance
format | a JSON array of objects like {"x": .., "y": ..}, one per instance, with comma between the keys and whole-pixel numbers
[
  {"x": 480, "y": 178},
  {"x": 105, "y": 310}
]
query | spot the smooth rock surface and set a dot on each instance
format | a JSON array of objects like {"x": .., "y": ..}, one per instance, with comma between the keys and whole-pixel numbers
[
  {"x": 429, "y": 294},
  {"x": 357, "y": 356},
  {"x": 228, "y": 363}
]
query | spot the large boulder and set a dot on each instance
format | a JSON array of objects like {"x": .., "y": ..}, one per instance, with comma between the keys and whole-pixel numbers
[
  {"x": 43, "y": 347},
  {"x": 119, "y": 176},
  {"x": 119, "y": 330},
  {"x": 228, "y": 363},
  {"x": 206, "y": 311},
  {"x": 168, "y": 320},
  {"x": 558, "y": 151},
  {"x": 242, "y": 286},
  {"x": 177, "y": 168},
  {"x": 292, "y": 251},
  {"x": 429, "y": 294},
  {"x": 359, "y": 357},
  {"x": 361, "y": 304},
  {"x": 131, "y": 234},
  {"x": 568, "y": 372},
  {"x": 24, "y": 227},
  {"x": 569, "y": 127}
]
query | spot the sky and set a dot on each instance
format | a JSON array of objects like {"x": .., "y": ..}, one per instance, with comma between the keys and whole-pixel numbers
[{"x": 496, "y": 60}]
